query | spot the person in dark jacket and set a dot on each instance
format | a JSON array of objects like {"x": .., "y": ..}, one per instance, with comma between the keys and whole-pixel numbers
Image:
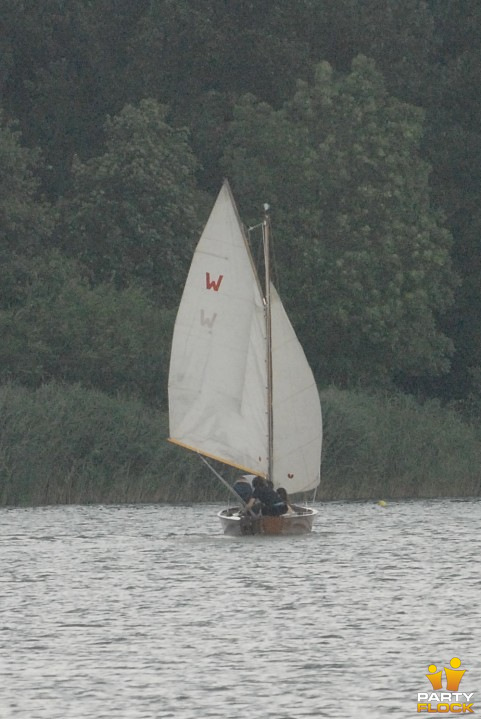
[
  {"x": 243, "y": 487},
  {"x": 271, "y": 504},
  {"x": 285, "y": 498}
]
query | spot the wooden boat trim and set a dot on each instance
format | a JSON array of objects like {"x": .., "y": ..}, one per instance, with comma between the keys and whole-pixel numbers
[{"x": 243, "y": 468}]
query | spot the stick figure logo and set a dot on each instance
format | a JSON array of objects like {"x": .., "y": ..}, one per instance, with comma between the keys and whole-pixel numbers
[
  {"x": 453, "y": 675},
  {"x": 443, "y": 700}
]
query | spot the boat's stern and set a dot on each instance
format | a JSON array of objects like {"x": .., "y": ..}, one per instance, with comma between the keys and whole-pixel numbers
[{"x": 236, "y": 524}]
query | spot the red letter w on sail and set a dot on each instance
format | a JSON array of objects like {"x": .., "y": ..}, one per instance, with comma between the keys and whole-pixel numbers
[{"x": 213, "y": 284}]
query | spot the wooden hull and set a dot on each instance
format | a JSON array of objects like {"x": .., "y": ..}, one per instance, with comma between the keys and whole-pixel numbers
[{"x": 236, "y": 525}]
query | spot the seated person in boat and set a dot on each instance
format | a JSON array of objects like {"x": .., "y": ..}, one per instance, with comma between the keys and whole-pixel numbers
[
  {"x": 243, "y": 487},
  {"x": 285, "y": 498},
  {"x": 271, "y": 504}
]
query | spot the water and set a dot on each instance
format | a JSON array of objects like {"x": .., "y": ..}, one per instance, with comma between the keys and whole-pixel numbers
[{"x": 149, "y": 612}]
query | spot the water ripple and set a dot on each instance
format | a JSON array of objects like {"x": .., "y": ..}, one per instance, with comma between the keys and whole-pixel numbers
[{"x": 148, "y": 611}]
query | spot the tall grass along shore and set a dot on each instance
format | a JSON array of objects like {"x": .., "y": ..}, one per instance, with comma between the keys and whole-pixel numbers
[{"x": 67, "y": 444}]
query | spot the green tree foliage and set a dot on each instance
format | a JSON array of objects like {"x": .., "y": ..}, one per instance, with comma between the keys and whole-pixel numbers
[
  {"x": 453, "y": 145},
  {"x": 26, "y": 219},
  {"x": 364, "y": 262},
  {"x": 401, "y": 39},
  {"x": 132, "y": 215},
  {"x": 199, "y": 57},
  {"x": 108, "y": 339},
  {"x": 371, "y": 269},
  {"x": 65, "y": 68},
  {"x": 183, "y": 49}
]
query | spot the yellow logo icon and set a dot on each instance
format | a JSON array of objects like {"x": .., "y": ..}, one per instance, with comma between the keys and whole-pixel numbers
[{"x": 448, "y": 699}]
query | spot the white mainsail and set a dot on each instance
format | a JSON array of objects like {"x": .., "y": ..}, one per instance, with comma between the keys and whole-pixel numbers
[
  {"x": 218, "y": 396},
  {"x": 217, "y": 380}
]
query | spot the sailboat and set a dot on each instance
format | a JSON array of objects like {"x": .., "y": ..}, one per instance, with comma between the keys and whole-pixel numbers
[{"x": 241, "y": 391}]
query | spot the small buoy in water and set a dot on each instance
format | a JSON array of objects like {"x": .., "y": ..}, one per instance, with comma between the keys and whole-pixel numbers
[{"x": 382, "y": 503}]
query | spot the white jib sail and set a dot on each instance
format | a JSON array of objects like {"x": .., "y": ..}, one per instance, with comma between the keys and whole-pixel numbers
[
  {"x": 217, "y": 379},
  {"x": 296, "y": 408}
]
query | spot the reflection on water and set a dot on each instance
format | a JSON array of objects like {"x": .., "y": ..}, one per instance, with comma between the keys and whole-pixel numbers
[{"x": 148, "y": 611}]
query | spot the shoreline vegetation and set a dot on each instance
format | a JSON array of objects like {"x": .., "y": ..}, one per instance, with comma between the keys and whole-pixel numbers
[
  {"x": 116, "y": 131},
  {"x": 65, "y": 444}
]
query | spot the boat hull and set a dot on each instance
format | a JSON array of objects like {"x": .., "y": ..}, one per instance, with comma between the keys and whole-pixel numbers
[{"x": 235, "y": 524}]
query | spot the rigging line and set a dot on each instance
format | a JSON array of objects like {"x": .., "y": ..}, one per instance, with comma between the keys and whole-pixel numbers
[
  {"x": 274, "y": 263},
  {"x": 256, "y": 248},
  {"x": 224, "y": 481}
]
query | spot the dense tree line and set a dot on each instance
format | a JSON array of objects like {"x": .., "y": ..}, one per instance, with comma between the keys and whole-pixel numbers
[{"x": 358, "y": 120}]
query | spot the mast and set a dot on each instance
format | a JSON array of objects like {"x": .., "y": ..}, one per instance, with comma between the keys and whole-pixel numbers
[{"x": 267, "y": 265}]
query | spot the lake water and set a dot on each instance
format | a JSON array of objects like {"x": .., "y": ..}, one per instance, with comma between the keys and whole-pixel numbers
[{"x": 150, "y": 612}]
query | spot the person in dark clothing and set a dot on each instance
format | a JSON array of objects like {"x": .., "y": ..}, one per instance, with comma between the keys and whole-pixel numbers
[
  {"x": 271, "y": 504},
  {"x": 285, "y": 498},
  {"x": 243, "y": 487}
]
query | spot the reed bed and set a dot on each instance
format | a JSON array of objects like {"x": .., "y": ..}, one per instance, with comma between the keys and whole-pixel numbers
[
  {"x": 62, "y": 444},
  {"x": 69, "y": 445},
  {"x": 381, "y": 445}
]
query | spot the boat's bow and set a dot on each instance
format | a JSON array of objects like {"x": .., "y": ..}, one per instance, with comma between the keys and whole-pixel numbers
[{"x": 236, "y": 523}]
